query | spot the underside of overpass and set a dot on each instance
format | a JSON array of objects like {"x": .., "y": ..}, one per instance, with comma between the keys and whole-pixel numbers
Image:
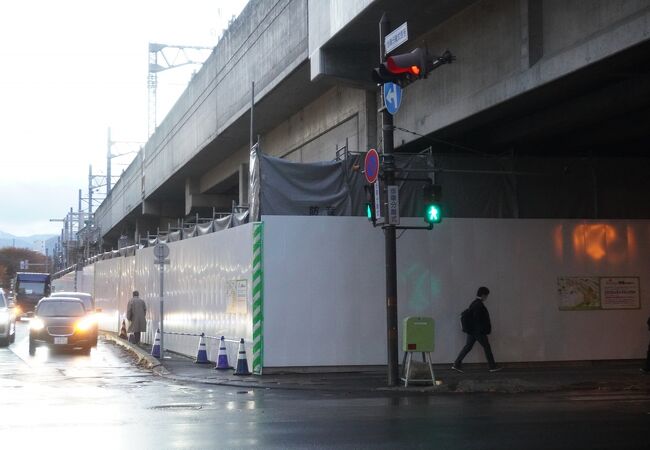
[
  {"x": 600, "y": 110},
  {"x": 573, "y": 148}
]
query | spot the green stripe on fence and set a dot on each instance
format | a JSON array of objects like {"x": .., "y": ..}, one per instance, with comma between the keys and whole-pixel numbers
[{"x": 258, "y": 298}]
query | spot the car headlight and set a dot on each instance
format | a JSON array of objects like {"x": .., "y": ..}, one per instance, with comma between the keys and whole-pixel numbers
[
  {"x": 85, "y": 324},
  {"x": 36, "y": 324}
]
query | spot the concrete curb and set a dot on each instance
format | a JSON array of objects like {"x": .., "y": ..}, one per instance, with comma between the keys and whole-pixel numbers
[
  {"x": 456, "y": 386},
  {"x": 147, "y": 361},
  {"x": 144, "y": 359}
]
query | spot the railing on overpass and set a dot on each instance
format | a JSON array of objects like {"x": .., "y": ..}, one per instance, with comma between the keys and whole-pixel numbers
[{"x": 184, "y": 229}]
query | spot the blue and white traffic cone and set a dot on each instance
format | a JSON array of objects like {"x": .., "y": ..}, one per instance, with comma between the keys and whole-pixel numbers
[
  {"x": 202, "y": 353},
  {"x": 242, "y": 363},
  {"x": 155, "y": 350},
  {"x": 222, "y": 359}
]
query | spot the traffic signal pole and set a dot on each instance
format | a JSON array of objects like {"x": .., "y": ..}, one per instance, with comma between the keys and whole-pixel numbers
[
  {"x": 389, "y": 229},
  {"x": 396, "y": 71}
]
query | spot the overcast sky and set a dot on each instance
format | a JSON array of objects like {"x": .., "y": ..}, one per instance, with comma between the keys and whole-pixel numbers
[{"x": 68, "y": 71}]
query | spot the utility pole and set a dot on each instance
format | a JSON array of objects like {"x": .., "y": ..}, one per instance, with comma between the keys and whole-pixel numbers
[
  {"x": 108, "y": 163},
  {"x": 80, "y": 213},
  {"x": 110, "y": 155},
  {"x": 389, "y": 229},
  {"x": 252, "y": 114},
  {"x": 90, "y": 191}
]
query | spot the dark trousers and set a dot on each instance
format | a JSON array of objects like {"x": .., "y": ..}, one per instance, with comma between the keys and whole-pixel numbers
[
  {"x": 647, "y": 359},
  {"x": 485, "y": 343},
  {"x": 136, "y": 338}
]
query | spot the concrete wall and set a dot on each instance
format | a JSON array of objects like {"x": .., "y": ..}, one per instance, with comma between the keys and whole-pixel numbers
[
  {"x": 318, "y": 130},
  {"x": 341, "y": 115},
  {"x": 568, "y": 22},
  {"x": 327, "y": 17}
]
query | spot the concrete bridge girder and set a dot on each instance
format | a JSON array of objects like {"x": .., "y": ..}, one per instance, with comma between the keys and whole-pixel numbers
[{"x": 194, "y": 199}]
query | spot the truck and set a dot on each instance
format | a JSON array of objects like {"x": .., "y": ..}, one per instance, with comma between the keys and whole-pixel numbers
[{"x": 29, "y": 288}]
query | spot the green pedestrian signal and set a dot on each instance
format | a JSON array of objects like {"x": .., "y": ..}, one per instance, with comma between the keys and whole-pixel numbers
[
  {"x": 431, "y": 199},
  {"x": 370, "y": 203},
  {"x": 432, "y": 214}
]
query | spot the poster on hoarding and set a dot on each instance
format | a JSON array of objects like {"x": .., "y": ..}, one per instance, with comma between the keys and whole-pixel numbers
[
  {"x": 598, "y": 293},
  {"x": 237, "y": 296},
  {"x": 620, "y": 293},
  {"x": 578, "y": 293}
]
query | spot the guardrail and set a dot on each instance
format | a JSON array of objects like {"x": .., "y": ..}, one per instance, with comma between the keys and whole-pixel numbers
[
  {"x": 217, "y": 338},
  {"x": 202, "y": 354}
]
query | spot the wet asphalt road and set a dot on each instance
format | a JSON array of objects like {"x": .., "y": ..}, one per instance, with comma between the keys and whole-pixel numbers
[{"x": 66, "y": 400}]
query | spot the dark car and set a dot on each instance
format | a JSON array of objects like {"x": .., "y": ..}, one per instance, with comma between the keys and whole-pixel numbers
[
  {"x": 89, "y": 305},
  {"x": 61, "y": 323},
  {"x": 7, "y": 321}
]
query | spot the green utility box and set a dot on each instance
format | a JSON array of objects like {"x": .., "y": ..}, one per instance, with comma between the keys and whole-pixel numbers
[{"x": 418, "y": 334}]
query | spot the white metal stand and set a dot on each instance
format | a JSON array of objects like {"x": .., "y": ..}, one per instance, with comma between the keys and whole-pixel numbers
[{"x": 406, "y": 368}]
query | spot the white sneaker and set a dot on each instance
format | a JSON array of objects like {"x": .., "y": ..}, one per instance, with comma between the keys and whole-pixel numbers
[
  {"x": 496, "y": 369},
  {"x": 456, "y": 369}
]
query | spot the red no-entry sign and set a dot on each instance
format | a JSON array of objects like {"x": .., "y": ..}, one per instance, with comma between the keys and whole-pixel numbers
[{"x": 372, "y": 166}]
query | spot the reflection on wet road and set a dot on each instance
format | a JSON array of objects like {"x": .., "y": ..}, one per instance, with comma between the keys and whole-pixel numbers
[{"x": 68, "y": 400}]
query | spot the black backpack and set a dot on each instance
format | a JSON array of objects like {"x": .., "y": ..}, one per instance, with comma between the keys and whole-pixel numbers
[{"x": 466, "y": 321}]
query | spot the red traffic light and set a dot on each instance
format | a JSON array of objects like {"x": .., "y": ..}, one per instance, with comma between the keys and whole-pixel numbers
[
  {"x": 413, "y": 63},
  {"x": 409, "y": 66}
]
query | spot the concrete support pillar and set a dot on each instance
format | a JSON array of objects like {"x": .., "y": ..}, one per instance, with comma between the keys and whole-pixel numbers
[
  {"x": 532, "y": 35},
  {"x": 150, "y": 207}
]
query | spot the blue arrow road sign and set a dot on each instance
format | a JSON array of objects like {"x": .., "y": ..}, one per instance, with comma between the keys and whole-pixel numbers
[{"x": 392, "y": 97}]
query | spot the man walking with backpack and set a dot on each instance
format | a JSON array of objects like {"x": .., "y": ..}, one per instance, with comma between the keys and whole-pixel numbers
[{"x": 476, "y": 323}]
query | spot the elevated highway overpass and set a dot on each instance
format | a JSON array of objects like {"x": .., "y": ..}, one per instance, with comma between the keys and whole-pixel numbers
[{"x": 558, "y": 83}]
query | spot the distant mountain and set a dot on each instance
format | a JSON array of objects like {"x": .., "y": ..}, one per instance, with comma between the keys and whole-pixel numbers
[{"x": 36, "y": 242}]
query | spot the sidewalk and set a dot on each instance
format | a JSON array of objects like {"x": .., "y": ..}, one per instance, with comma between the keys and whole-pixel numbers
[{"x": 514, "y": 378}]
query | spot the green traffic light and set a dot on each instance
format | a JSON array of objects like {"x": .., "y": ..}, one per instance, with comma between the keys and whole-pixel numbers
[
  {"x": 432, "y": 214},
  {"x": 369, "y": 211}
]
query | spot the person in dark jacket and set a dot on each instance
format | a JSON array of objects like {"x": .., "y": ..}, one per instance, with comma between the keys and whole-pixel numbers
[
  {"x": 136, "y": 313},
  {"x": 646, "y": 369},
  {"x": 480, "y": 328}
]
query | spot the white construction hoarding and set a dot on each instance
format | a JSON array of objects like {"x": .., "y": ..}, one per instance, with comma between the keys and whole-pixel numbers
[
  {"x": 325, "y": 288},
  {"x": 323, "y": 297}
]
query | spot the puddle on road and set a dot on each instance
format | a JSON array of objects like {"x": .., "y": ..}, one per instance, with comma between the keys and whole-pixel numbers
[{"x": 178, "y": 406}]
